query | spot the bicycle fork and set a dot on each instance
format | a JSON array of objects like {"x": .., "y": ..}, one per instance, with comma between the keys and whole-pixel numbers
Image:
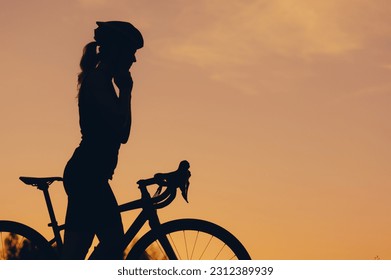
[{"x": 155, "y": 226}]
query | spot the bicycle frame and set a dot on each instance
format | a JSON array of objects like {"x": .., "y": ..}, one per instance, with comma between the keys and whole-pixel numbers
[
  {"x": 148, "y": 213},
  {"x": 148, "y": 204}
]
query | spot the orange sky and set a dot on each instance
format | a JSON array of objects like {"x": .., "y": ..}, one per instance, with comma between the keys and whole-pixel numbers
[{"x": 281, "y": 108}]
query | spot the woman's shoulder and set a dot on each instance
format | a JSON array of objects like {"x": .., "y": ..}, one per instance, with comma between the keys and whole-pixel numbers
[
  {"x": 96, "y": 88},
  {"x": 94, "y": 81},
  {"x": 95, "y": 77}
]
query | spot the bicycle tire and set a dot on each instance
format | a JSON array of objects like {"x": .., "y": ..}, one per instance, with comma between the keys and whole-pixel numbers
[
  {"x": 190, "y": 239},
  {"x": 21, "y": 242}
]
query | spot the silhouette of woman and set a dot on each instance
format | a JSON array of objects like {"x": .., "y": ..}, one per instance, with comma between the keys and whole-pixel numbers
[{"x": 105, "y": 120}]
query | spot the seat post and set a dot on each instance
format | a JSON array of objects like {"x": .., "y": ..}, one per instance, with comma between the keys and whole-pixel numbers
[{"x": 53, "y": 222}]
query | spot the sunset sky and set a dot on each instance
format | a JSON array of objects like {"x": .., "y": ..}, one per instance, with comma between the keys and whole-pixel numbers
[{"x": 282, "y": 108}]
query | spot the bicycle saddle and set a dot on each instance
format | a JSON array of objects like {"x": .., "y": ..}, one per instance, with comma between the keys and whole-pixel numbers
[{"x": 39, "y": 182}]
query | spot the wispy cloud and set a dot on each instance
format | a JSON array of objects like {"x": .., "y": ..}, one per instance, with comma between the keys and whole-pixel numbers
[
  {"x": 225, "y": 37},
  {"x": 241, "y": 32},
  {"x": 258, "y": 45}
]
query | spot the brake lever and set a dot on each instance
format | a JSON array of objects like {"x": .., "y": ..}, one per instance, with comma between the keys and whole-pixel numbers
[
  {"x": 162, "y": 182},
  {"x": 184, "y": 185},
  {"x": 178, "y": 178}
]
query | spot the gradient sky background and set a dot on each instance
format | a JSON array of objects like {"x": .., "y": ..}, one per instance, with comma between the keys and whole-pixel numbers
[{"x": 282, "y": 108}]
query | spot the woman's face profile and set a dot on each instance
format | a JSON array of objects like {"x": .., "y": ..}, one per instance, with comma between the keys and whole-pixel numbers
[{"x": 124, "y": 59}]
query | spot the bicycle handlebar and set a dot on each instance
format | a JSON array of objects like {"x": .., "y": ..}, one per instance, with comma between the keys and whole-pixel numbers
[{"x": 172, "y": 180}]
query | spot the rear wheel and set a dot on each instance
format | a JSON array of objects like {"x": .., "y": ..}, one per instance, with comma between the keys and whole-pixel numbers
[
  {"x": 20, "y": 242},
  {"x": 189, "y": 239}
]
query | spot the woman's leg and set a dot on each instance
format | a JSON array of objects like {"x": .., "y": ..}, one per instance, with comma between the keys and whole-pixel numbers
[
  {"x": 109, "y": 229},
  {"x": 92, "y": 209},
  {"x": 76, "y": 244},
  {"x": 79, "y": 232}
]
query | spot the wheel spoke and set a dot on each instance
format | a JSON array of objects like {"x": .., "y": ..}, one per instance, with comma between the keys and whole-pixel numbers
[
  {"x": 207, "y": 245},
  {"x": 175, "y": 248},
  {"x": 184, "y": 237},
  {"x": 220, "y": 251},
  {"x": 195, "y": 243}
]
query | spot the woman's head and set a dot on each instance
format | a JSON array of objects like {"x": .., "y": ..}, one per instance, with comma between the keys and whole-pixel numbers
[{"x": 118, "y": 42}]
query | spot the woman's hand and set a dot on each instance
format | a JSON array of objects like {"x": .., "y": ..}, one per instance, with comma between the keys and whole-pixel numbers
[{"x": 124, "y": 82}]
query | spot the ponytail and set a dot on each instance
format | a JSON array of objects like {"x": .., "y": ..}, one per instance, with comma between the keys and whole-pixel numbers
[{"x": 88, "y": 61}]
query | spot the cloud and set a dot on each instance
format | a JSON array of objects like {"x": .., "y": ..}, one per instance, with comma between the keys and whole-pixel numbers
[
  {"x": 261, "y": 45},
  {"x": 242, "y": 32}
]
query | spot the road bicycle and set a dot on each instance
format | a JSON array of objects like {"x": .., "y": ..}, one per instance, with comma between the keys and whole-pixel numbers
[{"x": 190, "y": 239}]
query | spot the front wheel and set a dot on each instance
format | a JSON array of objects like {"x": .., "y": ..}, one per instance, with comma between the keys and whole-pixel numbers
[
  {"x": 20, "y": 242},
  {"x": 188, "y": 239}
]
